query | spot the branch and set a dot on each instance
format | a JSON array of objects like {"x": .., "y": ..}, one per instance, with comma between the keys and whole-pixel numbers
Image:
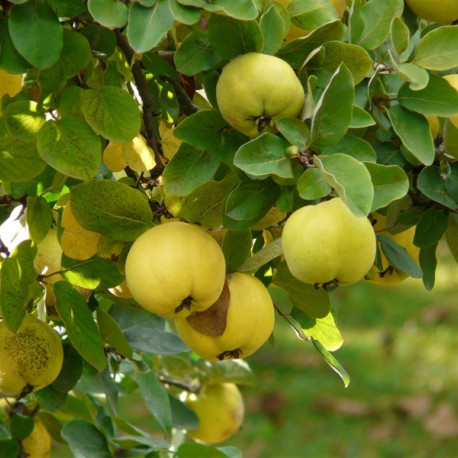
[
  {"x": 180, "y": 384},
  {"x": 186, "y": 104},
  {"x": 149, "y": 107}
]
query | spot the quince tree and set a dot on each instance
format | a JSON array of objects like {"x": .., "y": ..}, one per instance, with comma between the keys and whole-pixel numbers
[{"x": 202, "y": 169}]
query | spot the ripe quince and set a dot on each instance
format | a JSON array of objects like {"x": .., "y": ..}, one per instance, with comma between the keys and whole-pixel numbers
[
  {"x": 452, "y": 79},
  {"x": 326, "y": 244},
  {"x": 32, "y": 357},
  {"x": 220, "y": 409},
  {"x": 38, "y": 443},
  {"x": 440, "y": 11},
  {"x": 174, "y": 269},
  {"x": 255, "y": 89},
  {"x": 390, "y": 275},
  {"x": 235, "y": 326}
]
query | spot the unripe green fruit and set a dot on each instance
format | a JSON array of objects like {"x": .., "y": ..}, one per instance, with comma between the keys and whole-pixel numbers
[
  {"x": 174, "y": 269},
  {"x": 220, "y": 410},
  {"x": 326, "y": 244},
  {"x": 255, "y": 89}
]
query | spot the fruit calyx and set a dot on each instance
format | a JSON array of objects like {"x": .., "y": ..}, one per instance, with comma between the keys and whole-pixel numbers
[
  {"x": 212, "y": 321},
  {"x": 326, "y": 285},
  {"x": 185, "y": 304},
  {"x": 230, "y": 354},
  {"x": 261, "y": 121}
]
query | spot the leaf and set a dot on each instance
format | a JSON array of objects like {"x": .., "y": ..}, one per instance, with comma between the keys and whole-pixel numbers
[
  {"x": 431, "y": 227},
  {"x": 295, "y": 131},
  {"x": 36, "y": 33},
  {"x": 110, "y": 13},
  {"x": 355, "y": 147},
  {"x": 182, "y": 416},
  {"x": 332, "y": 362},
  {"x": 39, "y": 217},
  {"x": 360, "y": 118},
  {"x": 184, "y": 14},
  {"x": 231, "y": 37},
  {"x": 235, "y": 371},
  {"x": 311, "y": 185},
  {"x": 438, "y": 49},
  {"x": 351, "y": 180},
  {"x": 71, "y": 147},
  {"x": 390, "y": 183},
  {"x": 333, "y": 112},
  {"x": 248, "y": 203},
  {"x": 202, "y": 129},
  {"x": 323, "y": 329},
  {"x": 296, "y": 51},
  {"x": 111, "y": 112},
  {"x": 263, "y": 156},
  {"x": 398, "y": 256},
  {"x": 112, "y": 208},
  {"x": 79, "y": 323},
  {"x": 428, "y": 264},
  {"x": 377, "y": 16},
  {"x": 19, "y": 160},
  {"x": 21, "y": 425},
  {"x": 189, "y": 168},
  {"x": 148, "y": 26},
  {"x": 72, "y": 369},
  {"x": 23, "y": 120},
  {"x": 311, "y": 14},
  {"x": 416, "y": 76},
  {"x": 313, "y": 302},
  {"x": 266, "y": 254},
  {"x": 236, "y": 247},
  {"x": 438, "y": 98},
  {"x": 94, "y": 444},
  {"x": 414, "y": 132},
  {"x": 199, "y": 451},
  {"x": 245, "y": 10},
  {"x": 432, "y": 184},
  {"x": 195, "y": 54},
  {"x": 156, "y": 398},
  {"x": 451, "y": 235},
  {"x": 400, "y": 35},
  {"x": 273, "y": 27},
  {"x": 112, "y": 335}
]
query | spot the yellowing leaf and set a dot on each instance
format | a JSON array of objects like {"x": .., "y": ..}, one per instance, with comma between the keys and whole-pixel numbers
[
  {"x": 10, "y": 84},
  {"x": 170, "y": 144}
]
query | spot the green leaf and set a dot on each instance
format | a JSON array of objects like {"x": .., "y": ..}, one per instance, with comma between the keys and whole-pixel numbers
[
  {"x": 297, "y": 51},
  {"x": 263, "y": 156},
  {"x": 244, "y": 11},
  {"x": 156, "y": 398},
  {"x": 332, "y": 362},
  {"x": 417, "y": 77},
  {"x": 451, "y": 235},
  {"x": 101, "y": 40},
  {"x": 295, "y": 131},
  {"x": 398, "y": 256},
  {"x": 94, "y": 444},
  {"x": 438, "y": 49},
  {"x": 19, "y": 160},
  {"x": 432, "y": 184},
  {"x": 10, "y": 60},
  {"x": 231, "y": 37},
  {"x": 110, "y": 13},
  {"x": 182, "y": 416},
  {"x": 351, "y": 180},
  {"x": 112, "y": 335},
  {"x": 75, "y": 54},
  {"x": 230, "y": 371},
  {"x": 39, "y": 217},
  {"x": 51, "y": 399},
  {"x": 414, "y": 131},
  {"x": 377, "y": 16},
  {"x": 195, "y": 54},
  {"x": 352, "y": 146},
  {"x": 360, "y": 118},
  {"x": 71, "y": 147},
  {"x": 71, "y": 371},
  {"x": 202, "y": 129},
  {"x": 390, "y": 183},
  {"x": 36, "y": 33},
  {"x": 9, "y": 448},
  {"x": 431, "y": 227},
  {"x": 400, "y": 35},
  {"x": 333, "y": 112},
  {"x": 451, "y": 138},
  {"x": 313, "y": 302},
  {"x": 188, "y": 169},
  {"x": 438, "y": 98},
  {"x": 311, "y": 185},
  {"x": 248, "y": 203},
  {"x": 266, "y": 254},
  {"x": 311, "y": 14},
  {"x": 23, "y": 120},
  {"x": 111, "y": 112},
  {"x": 112, "y": 208},
  {"x": 199, "y": 451},
  {"x": 147, "y": 26},
  {"x": 236, "y": 247},
  {"x": 428, "y": 264},
  {"x": 79, "y": 323},
  {"x": 184, "y": 14},
  {"x": 323, "y": 329},
  {"x": 21, "y": 425},
  {"x": 273, "y": 27},
  {"x": 145, "y": 331}
]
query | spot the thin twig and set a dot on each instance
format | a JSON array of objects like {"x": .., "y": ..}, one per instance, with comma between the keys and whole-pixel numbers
[{"x": 299, "y": 334}]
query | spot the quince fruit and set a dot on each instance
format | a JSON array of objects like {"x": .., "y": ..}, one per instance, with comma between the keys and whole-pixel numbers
[
  {"x": 440, "y": 11},
  {"x": 235, "y": 326},
  {"x": 30, "y": 358},
  {"x": 38, "y": 443},
  {"x": 10, "y": 83},
  {"x": 220, "y": 409},
  {"x": 453, "y": 81},
  {"x": 326, "y": 244},
  {"x": 390, "y": 275},
  {"x": 254, "y": 90},
  {"x": 174, "y": 269},
  {"x": 76, "y": 241}
]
